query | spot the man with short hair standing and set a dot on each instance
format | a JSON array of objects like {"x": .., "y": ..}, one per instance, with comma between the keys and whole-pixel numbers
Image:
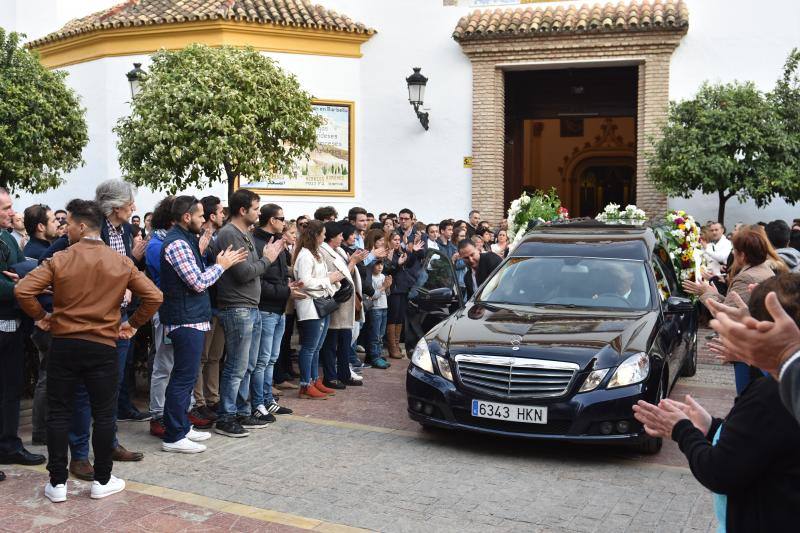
[
  {"x": 472, "y": 225},
  {"x": 407, "y": 231},
  {"x": 88, "y": 281},
  {"x": 41, "y": 225},
  {"x": 238, "y": 296},
  {"x": 480, "y": 266},
  {"x": 276, "y": 290},
  {"x": 206, "y": 389},
  {"x": 186, "y": 315},
  {"x": 717, "y": 249},
  {"x": 12, "y": 360}
]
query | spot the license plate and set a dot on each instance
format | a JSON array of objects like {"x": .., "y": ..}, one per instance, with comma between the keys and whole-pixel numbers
[{"x": 512, "y": 413}]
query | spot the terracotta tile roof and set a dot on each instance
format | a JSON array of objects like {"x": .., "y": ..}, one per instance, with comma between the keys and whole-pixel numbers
[
  {"x": 298, "y": 13},
  {"x": 533, "y": 21}
]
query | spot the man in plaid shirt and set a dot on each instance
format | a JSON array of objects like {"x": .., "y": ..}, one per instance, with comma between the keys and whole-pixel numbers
[{"x": 186, "y": 315}]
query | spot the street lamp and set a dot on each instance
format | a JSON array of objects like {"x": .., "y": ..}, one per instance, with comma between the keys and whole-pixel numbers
[
  {"x": 416, "y": 94},
  {"x": 135, "y": 77}
]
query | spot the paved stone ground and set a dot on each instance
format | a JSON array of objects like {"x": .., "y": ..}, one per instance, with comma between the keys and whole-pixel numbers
[{"x": 358, "y": 460}]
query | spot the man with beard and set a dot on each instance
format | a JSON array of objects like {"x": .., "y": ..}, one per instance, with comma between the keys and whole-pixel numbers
[{"x": 186, "y": 316}]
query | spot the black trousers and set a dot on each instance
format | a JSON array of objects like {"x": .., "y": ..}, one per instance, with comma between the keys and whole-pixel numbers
[
  {"x": 284, "y": 363},
  {"x": 73, "y": 361},
  {"x": 12, "y": 364}
]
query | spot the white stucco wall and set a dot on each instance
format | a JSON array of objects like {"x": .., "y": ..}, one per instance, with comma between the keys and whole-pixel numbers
[{"x": 398, "y": 164}]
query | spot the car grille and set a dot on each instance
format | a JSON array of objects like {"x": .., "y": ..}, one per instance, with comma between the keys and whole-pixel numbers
[{"x": 514, "y": 377}]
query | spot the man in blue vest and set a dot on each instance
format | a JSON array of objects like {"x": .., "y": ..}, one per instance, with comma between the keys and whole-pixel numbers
[{"x": 186, "y": 316}]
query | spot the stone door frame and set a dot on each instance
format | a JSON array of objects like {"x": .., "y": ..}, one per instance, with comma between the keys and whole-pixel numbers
[{"x": 491, "y": 57}]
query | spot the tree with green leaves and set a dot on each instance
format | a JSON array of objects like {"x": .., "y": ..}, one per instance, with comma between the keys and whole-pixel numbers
[
  {"x": 206, "y": 114},
  {"x": 42, "y": 126},
  {"x": 729, "y": 140}
]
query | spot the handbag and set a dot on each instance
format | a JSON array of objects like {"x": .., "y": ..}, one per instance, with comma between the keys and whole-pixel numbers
[
  {"x": 325, "y": 306},
  {"x": 344, "y": 293}
]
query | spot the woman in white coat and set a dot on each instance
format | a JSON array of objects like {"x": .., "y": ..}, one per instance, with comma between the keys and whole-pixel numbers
[
  {"x": 335, "y": 354},
  {"x": 310, "y": 269}
]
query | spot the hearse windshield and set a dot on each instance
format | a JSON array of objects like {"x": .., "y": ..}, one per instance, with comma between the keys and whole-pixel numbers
[{"x": 567, "y": 282}]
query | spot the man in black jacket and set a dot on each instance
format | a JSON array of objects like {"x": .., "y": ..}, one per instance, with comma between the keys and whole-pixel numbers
[
  {"x": 480, "y": 265},
  {"x": 276, "y": 289}
]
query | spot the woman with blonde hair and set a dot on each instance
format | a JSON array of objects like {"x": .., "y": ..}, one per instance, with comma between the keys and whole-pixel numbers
[{"x": 752, "y": 258}]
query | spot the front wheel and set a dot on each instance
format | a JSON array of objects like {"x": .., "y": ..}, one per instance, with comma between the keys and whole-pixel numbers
[{"x": 689, "y": 368}]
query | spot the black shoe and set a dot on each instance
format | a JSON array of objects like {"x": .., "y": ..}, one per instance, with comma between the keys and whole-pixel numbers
[
  {"x": 353, "y": 383},
  {"x": 250, "y": 422},
  {"x": 230, "y": 428},
  {"x": 2, "y": 475},
  {"x": 276, "y": 409},
  {"x": 336, "y": 385},
  {"x": 22, "y": 457},
  {"x": 264, "y": 417},
  {"x": 135, "y": 416}
]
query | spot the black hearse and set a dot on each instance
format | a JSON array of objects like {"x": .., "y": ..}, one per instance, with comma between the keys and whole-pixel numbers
[{"x": 576, "y": 325}]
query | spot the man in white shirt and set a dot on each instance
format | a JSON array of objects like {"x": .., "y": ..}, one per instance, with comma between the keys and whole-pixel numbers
[{"x": 718, "y": 249}]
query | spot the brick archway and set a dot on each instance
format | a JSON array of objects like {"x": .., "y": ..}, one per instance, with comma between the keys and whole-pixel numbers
[{"x": 642, "y": 33}]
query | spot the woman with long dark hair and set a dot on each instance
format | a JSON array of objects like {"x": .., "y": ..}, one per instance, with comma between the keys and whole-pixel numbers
[{"x": 309, "y": 268}]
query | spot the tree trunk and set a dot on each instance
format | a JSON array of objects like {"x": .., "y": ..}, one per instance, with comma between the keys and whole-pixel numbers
[
  {"x": 232, "y": 179},
  {"x": 723, "y": 199}
]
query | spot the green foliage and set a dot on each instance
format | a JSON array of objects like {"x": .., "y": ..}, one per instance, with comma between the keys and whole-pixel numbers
[
  {"x": 786, "y": 99},
  {"x": 731, "y": 140},
  {"x": 208, "y": 114},
  {"x": 42, "y": 129}
]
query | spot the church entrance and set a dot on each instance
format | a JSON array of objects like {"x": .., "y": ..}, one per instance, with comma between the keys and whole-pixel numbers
[{"x": 572, "y": 129}]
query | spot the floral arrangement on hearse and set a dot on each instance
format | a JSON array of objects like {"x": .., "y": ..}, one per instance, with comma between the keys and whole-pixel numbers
[
  {"x": 528, "y": 211},
  {"x": 630, "y": 215},
  {"x": 681, "y": 237}
]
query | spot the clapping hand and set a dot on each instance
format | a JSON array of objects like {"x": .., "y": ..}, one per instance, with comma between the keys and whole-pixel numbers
[
  {"x": 357, "y": 257},
  {"x": 335, "y": 276},
  {"x": 387, "y": 282},
  {"x": 403, "y": 258},
  {"x": 380, "y": 252},
  {"x": 126, "y": 331},
  {"x": 13, "y": 276},
  {"x": 296, "y": 288},
  {"x": 273, "y": 249},
  {"x": 205, "y": 239},
  {"x": 738, "y": 311},
  {"x": 698, "y": 288},
  {"x": 696, "y": 413},
  {"x": 230, "y": 257},
  {"x": 658, "y": 420},
  {"x": 139, "y": 246},
  {"x": 763, "y": 344}
]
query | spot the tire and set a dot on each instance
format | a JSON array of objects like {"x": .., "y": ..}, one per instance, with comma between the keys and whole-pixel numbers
[
  {"x": 689, "y": 367},
  {"x": 652, "y": 445}
]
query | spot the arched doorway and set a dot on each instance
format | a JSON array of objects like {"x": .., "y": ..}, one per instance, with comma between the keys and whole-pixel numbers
[{"x": 599, "y": 181}]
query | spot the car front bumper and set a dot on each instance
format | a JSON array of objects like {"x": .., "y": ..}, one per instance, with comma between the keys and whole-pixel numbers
[{"x": 434, "y": 401}]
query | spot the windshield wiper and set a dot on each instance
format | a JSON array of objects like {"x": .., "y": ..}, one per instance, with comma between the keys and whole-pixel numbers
[{"x": 560, "y": 306}]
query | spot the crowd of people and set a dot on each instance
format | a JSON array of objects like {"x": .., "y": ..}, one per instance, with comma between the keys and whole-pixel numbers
[{"x": 215, "y": 293}]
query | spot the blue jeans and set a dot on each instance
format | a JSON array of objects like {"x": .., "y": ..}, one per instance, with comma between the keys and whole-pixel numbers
[
  {"x": 82, "y": 415},
  {"x": 376, "y": 331},
  {"x": 187, "y": 347},
  {"x": 312, "y": 336},
  {"x": 335, "y": 354},
  {"x": 272, "y": 326},
  {"x": 242, "y": 326}
]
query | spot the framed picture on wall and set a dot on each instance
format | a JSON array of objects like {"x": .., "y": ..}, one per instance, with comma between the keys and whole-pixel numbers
[
  {"x": 328, "y": 169},
  {"x": 571, "y": 127}
]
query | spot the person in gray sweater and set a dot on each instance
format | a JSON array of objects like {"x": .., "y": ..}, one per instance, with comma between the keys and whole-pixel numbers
[{"x": 238, "y": 295}]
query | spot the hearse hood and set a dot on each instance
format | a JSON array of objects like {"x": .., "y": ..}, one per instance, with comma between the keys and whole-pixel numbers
[{"x": 577, "y": 336}]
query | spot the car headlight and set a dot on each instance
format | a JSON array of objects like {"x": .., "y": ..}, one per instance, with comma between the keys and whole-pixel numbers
[
  {"x": 444, "y": 368},
  {"x": 593, "y": 380},
  {"x": 422, "y": 356},
  {"x": 634, "y": 369}
]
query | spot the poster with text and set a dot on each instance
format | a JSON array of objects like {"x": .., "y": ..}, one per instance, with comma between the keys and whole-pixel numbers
[{"x": 327, "y": 171}]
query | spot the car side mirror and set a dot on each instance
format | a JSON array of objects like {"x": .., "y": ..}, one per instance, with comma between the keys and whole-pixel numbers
[
  {"x": 441, "y": 295},
  {"x": 676, "y": 304}
]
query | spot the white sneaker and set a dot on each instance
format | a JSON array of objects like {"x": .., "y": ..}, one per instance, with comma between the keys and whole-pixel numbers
[
  {"x": 183, "y": 446},
  {"x": 360, "y": 349},
  {"x": 56, "y": 494},
  {"x": 262, "y": 409},
  {"x": 354, "y": 376},
  {"x": 113, "y": 486},
  {"x": 197, "y": 436}
]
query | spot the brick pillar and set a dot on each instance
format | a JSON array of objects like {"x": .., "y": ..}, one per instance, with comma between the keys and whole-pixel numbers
[
  {"x": 488, "y": 136},
  {"x": 653, "y": 96}
]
